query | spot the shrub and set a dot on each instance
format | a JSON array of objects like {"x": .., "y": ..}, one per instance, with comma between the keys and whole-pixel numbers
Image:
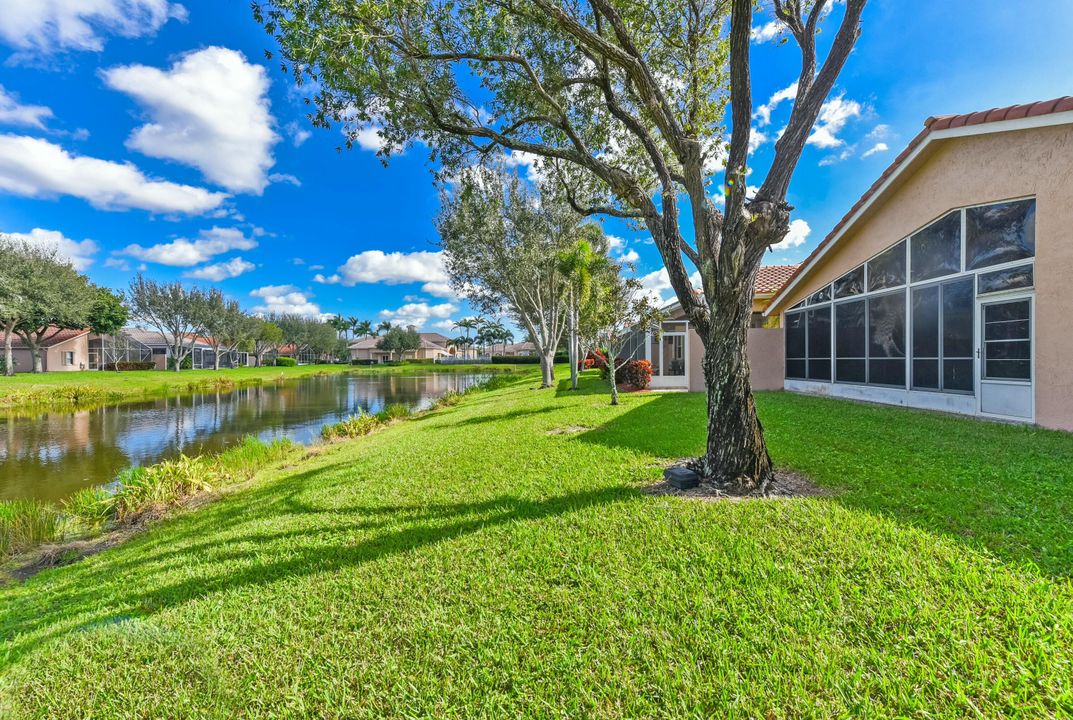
[
  {"x": 363, "y": 362},
  {"x": 187, "y": 363},
  {"x": 353, "y": 426},
  {"x": 120, "y": 366},
  {"x": 26, "y": 523},
  {"x": 515, "y": 360},
  {"x": 394, "y": 411},
  {"x": 250, "y": 456},
  {"x": 595, "y": 359},
  {"x": 449, "y": 399},
  {"x": 158, "y": 486},
  {"x": 286, "y": 362},
  {"x": 91, "y": 507},
  {"x": 635, "y": 373}
]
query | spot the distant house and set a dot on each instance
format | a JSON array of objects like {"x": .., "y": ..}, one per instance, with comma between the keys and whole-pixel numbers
[
  {"x": 63, "y": 351},
  {"x": 434, "y": 346},
  {"x": 201, "y": 357},
  {"x": 522, "y": 349}
]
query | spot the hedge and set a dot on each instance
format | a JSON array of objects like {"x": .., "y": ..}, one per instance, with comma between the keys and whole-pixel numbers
[
  {"x": 286, "y": 362},
  {"x": 149, "y": 365}
]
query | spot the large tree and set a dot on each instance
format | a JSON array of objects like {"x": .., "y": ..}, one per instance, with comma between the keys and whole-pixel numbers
[
  {"x": 624, "y": 102},
  {"x": 502, "y": 242},
  {"x": 177, "y": 312},
  {"x": 399, "y": 340},
  {"x": 22, "y": 263},
  {"x": 56, "y": 298}
]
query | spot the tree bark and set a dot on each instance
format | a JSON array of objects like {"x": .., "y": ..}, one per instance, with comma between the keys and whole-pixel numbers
[
  {"x": 736, "y": 451},
  {"x": 547, "y": 369},
  {"x": 35, "y": 353},
  {"x": 9, "y": 355},
  {"x": 614, "y": 386},
  {"x": 573, "y": 341}
]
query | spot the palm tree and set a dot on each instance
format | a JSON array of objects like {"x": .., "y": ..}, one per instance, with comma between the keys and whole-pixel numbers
[
  {"x": 362, "y": 328},
  {"x": 383, "y": 327},
  {"x": 578, "y": 265},
  {"x": 466, "y": 324}
]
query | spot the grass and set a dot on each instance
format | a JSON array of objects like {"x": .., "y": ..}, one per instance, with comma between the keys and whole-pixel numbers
[
  {"x": 32, "y": 392},
  {"x": 26, "y": 523},
  {"x": 480, "y": 562}
]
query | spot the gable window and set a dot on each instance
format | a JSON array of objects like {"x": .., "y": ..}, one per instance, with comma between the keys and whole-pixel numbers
[
  {"x": 936, "y": 250},
  {"x": 1008, "y": 279},
  {"x": 852, "y": 283},
  {"x": 887, "y": 269},
  {"x": 1002, "y": 233}
]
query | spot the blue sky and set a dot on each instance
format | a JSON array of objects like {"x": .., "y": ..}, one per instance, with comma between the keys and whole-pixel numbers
[{"x": 155, "y": 135}]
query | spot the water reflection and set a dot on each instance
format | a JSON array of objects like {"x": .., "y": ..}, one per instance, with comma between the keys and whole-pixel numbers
[{"x": 54, "y": 454}]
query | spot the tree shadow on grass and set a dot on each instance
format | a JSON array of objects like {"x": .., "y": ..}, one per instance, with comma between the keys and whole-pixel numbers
[
  {"x": 1003, "y": 489},
  {"x": 88, "y": 596}
]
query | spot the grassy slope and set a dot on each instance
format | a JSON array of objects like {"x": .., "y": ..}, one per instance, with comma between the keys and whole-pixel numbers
[
  {"x": 472, "y": 564},
  {"x": 33, "y": 390}
]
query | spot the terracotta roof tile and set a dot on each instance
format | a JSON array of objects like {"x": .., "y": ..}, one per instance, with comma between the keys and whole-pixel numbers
[
  {"x": 60, "y": 337},
  {"x": 770, "y": 278},
  {"x": 932, "y": 124}
]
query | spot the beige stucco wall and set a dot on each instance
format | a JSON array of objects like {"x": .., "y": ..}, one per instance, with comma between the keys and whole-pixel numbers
[
  {"x": 52, "y": 358},
  {"x": 765, "y": 351},
  {"x": 979, "y": 169}
]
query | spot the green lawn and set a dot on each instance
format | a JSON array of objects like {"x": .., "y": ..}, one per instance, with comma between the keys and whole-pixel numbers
[
  {"x": 480, "y": 562},
  {"x": 35, "y": 391}
]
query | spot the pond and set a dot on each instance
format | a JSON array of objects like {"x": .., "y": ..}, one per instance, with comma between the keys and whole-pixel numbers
[{"x": 50, "y": 456}]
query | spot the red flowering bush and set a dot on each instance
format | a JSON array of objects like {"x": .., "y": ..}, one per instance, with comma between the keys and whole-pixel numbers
[
  {"x": 635, "y": 373},
  {"x": 595, "y": 359}
]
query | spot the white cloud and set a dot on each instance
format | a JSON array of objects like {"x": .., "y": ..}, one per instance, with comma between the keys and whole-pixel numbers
[
  {"x": 12, "y": 112},
  {"x": 327, "y": 279},
  {"x": 534, "y": 172},
  {"x": 34, "y": 168},
  {"x": 614, "y": 242},
  {"x": 630, "y": 256},
  {"x": 756, "y": 139},
  {"x": 879, "y": 147},
  {"x": 369, "y": 138},
  {"x": 767, "y": 32},
  {"x": 834, "y": 114},
  {"x": 221, "y": 271},
  {"x": 376, "y": 266},
  {"x": 763, "y": 113},
  {"x": 298, "y": 134},
  {"x": 209, "y": 110},
  {"x": 438, "y": 289},
  {"x": 419, "y": 313},
  {"x": 798, "y": 234},
  {"x": 285, "y": 300},
  {"x": 79, "y": 253},
  {"x": 186, "y": 253},
  {"x": 284, "y": 178},
  {"x": 47, "y": 25},
  {"x": 117, "y": 263}
]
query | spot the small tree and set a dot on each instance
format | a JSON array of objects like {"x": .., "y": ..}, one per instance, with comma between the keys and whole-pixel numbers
[
  {"x": 178, "y": 313},
  {"x": 398, "y": 340},
  {"x": 229, "y": 328},
  {"x": 582, "y": 265},
  {"x": 268, "y": 337},
  {"x": 362, "y": 328},
  {"x": 617, "y": 311},
  {"x": 501, "y": 242},
  {"x": 107, "y": 317}
]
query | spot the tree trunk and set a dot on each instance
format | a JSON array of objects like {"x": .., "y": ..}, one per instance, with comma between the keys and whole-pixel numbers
[
  {"x": 572, "y": 354},
  {"x": 216, "y": 359},
  {"x": 614, "y": 387},
  {"x": 9, "y": 355},
  {"x": 547, "y": 371},
  {"x": 35, "y": 353},
  {"x": 736, "y": 453}
]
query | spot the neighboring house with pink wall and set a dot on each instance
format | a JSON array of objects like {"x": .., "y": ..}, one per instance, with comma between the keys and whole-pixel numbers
[
  {"x": 947, "y": 285},
  {"x": 434, "y": 346},
  {"x": 677, "y": 353},
  {"x": 62, "y": 351}
]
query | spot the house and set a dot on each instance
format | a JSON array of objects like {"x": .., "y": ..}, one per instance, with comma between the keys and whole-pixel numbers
[
  {"x": 946, "y": 284},
  {"x": 677, "y": 354},
  {"x": 522, "y": 349},
  {"x": 201, "y": 356},
  {"x": 61, "y": 351},
  {"x": 434, "y": 346}
]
